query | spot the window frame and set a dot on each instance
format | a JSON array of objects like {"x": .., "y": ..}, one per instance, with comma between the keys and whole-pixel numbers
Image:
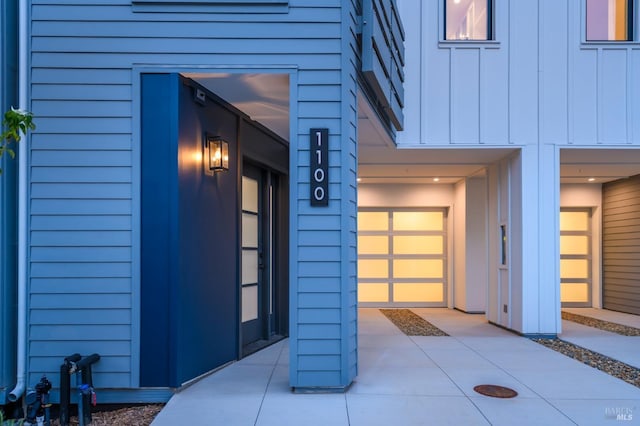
[
  {"x": 633, "y": 20},
  {"x": 491, "y": 27}
]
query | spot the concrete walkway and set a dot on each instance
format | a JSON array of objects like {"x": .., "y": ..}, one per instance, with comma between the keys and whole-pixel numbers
[
  {"x": 622, "y": 348},
  {"x": 416, "y": 381}
]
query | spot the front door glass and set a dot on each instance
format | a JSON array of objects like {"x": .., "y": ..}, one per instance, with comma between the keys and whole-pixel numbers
[{"x": 252, "y": 260}]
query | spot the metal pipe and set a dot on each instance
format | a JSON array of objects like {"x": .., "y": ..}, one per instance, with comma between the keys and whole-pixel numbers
[
  {"x": 86, "y": 388},
  {"x": 21, "y": 349},
  {"x": 66, "y": 369}
]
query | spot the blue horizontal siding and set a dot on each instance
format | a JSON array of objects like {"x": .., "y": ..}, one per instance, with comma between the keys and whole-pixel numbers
[
  {"x": 108, "y": 77},
  {"x": 81, "y": 223},
  {"x": 101, "y": 379},
  {"x": 319, "y": 378},
  {"x": 84, "y": 125},
  {"x": 81, "y": 174},
  {"x": 80, "y": 331},
  {"x": 82, "y": 108},
  {"x": 315, "y": 285},
  {"x": 102, "y": 285},
  {"x": 319, "y": 316},
  {"x": 80, "y": 316},
  {"x": 94, "y": 45},
  {"x": 319, "y": 362},
  {"x": 80, "y": 207},
  {"x": 325, "y": 109},
  {"x": 319, "y": 331},
  {"x": 229, "y": 30},
  {"x": 321, "y": 77},
  {"x": 117, "y": 60},
  {"x": 317, "y": 222},
  {"x": 84, "y": 142},
  {"x": 325, "y": 254},
  {"x": 123, "y": 13},
  {"x": 316, "y": 93},
  {"x": 332, "y": 124},
  {"x": 80, "y": 269},
  {"x": 317, "y": 238},
  {"x": 319, "y": 269},
  {"x": 315, "y": 300},
  {"x": 80, "y": 254},
  {"x": 81, "y": 190},
  {"x": 87, "y": 92},
  {"x": 117, "y": 364},
  {"x": 62, "y": 348},
  {"x": 83, "y": 158},
  {"x": 319, "y": 347},
  {"x": 81, "y": 238},
  {"x": 81, "y": 301}
]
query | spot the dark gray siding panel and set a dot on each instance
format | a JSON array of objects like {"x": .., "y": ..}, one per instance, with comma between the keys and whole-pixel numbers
[{"x": 621, "y": 245}]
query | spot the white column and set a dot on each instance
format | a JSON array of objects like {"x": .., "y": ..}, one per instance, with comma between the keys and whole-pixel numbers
[{"x": 540, "y": 240}]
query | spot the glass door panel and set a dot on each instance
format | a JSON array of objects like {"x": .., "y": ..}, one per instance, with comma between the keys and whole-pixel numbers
[
  {"x": 250, "y": 250},
  {"x": 575, "y": 257},
  {"x": 401, "y": 257}
]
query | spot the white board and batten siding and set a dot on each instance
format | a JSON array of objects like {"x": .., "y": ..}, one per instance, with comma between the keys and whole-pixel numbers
[
  {"x": 84, "y": 208},
  {"x": 538, "y": 81},
  {"x": 536, "y": 86}
]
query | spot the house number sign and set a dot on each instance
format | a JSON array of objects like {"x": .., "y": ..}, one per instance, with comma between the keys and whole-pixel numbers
[{"x": 319, "y": 151}]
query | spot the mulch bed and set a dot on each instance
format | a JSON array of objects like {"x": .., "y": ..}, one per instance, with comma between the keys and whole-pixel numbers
[
  {"x": 623, "y": 330},
  {"x": 110, "y": 415},
  {"x": 411, "y": 324}
]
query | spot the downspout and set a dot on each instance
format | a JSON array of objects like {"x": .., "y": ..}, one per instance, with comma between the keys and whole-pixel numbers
[{"x": 21, "y": 350}]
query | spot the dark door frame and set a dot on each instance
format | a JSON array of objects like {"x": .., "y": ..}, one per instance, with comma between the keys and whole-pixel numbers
[{"x": 272, "y": 256}]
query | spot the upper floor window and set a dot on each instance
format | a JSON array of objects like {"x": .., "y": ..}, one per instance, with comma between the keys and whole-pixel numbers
[
  {"x": 609, "y": 20},
  {"x": 468, "y": 20}
]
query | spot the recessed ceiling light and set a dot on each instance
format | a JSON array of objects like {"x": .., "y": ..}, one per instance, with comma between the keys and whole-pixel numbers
[
  {"x": 359, "y": 179},
  {"x": 436, "y": 179},
  {"x": 591, "y": 179}
]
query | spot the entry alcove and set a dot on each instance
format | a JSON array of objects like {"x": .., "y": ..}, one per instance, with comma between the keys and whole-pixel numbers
[{"x": 190, "y": 304}]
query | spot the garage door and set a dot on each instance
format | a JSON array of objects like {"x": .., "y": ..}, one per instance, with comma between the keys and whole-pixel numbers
[
  {"x": 402, "y": 257},
  {"x": 575, "y": 257}
]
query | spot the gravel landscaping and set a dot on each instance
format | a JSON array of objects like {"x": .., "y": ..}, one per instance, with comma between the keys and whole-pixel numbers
[
  {"x": 593, "y": 359},
  {"x": 411, "y": 324},
  {"x": 623, "y": 330}
]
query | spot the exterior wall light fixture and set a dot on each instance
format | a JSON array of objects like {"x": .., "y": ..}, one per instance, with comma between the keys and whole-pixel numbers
[{"x": 216, "y": 155}]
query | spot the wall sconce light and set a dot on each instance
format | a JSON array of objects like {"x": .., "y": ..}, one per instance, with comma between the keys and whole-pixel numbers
[{"x": 216, "y": 155}]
